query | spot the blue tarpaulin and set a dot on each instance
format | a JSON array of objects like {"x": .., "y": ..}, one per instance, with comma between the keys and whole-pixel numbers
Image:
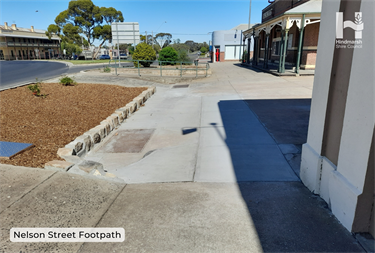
[{"x": 9, "y": 149}]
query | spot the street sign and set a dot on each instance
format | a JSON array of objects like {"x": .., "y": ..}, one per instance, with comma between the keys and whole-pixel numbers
[{"x": 125, "y": 32}]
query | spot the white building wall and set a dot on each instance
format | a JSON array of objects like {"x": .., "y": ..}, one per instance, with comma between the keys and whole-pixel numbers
[
  {"x": 311, "y": 165},
  {"x": 341, "y": 185},
  {"x": 227, "y": 38}
]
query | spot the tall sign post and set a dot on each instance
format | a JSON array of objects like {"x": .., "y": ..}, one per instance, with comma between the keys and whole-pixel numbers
[{"x": 125, "y": 33}]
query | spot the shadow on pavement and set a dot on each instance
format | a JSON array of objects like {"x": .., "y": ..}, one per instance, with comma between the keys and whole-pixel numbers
[
  {"x": 248, "y": 67},
  {"x": 286, "y": 215}
]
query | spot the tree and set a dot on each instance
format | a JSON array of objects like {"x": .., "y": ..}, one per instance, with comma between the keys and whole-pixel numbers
[
  {"x": 143, "y": 39},
  {"x": 193, "y": 46},
  {"x": 131, "y": 49},
  {"x": 70, "y": 48},
  {"x": 123, "y": 47},
  {"x": 145, "y": 54},
  {"x": 179, "y": 47},
  {"x": 183, "y": 57},
  {"x": 84, "y": 18},
  {"x": 168, "y": 54},
  {"x": 163, "y": 39},
  {"x": 203, "y": 50},
  {"x": 156, "y": 47}
]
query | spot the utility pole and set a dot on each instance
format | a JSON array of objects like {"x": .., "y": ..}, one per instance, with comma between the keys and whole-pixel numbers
[{"x": 249, "y": 15}]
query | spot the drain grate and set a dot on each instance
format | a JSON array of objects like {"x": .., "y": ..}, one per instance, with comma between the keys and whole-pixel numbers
[
  {"x": 127, "y": 141},
  {"x": 10, "y": 149},
  {"x": 180, "y": 86}
]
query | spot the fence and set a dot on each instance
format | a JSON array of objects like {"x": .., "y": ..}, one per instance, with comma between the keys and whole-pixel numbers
[{"x": 160, "y": 68}]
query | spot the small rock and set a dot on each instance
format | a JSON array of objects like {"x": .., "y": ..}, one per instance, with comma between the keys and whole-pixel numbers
[
  {"x": 64, "y": 152},
  {"x": 58, "y": 165}
]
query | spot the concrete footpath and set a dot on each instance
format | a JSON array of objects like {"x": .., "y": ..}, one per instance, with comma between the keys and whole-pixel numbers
[{"x": 210, "y": 165}]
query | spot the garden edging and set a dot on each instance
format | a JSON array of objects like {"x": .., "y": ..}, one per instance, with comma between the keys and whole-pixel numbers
[{"x": 74, "y": 152}]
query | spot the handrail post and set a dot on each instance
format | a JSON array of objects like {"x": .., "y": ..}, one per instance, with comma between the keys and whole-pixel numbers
[
  {"x": 161, "y": 74},
  {"x": 181, "y": 69},
  {"x": 139, "y": 74},
  {"x": 196, "y": 70}
]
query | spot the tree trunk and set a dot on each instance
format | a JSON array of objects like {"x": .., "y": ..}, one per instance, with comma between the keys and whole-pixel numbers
[{"x": 100, "y": 46}]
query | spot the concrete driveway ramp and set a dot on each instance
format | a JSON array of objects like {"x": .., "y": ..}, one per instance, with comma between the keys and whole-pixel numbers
[{"x": 127, "y": 141}]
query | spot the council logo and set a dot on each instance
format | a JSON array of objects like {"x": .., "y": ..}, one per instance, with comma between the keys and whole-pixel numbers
[{"x": 357, "y": 25}]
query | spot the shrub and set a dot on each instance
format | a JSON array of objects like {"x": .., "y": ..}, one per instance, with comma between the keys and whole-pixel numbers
[
  {"x": 107, "y": 70},
  {"x": 244, "y": 56},
  {"x": 144, "y": 52},
  {"x": 168, "y": 54},
  {"x": 183, "y": 56},
  {"x": 66, "y": 80},
  {"x": 35, "y": 89}
]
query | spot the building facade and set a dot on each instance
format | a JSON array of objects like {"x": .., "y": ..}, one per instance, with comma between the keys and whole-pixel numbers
[
  {"x": 287, "y": 36},
  {"x": 26, "y": 44},
  {"x": 228, "y": 45},
  {"x": 338, "y": 158}
]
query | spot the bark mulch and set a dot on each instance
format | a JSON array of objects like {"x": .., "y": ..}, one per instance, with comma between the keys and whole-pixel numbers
[{"x": 52, "y": 122}]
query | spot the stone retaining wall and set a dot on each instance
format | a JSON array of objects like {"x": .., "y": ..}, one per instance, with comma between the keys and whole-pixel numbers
[{"x": 165, "y": 72}]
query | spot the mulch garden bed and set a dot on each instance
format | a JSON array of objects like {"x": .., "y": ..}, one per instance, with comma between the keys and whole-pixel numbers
[{"x": 52, "y": 122}]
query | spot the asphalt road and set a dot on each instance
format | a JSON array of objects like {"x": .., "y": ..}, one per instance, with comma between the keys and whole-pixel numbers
[{"x": 17, "y": 73}]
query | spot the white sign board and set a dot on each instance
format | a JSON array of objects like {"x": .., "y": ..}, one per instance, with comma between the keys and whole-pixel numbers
[{"x": 125, "y": 32}]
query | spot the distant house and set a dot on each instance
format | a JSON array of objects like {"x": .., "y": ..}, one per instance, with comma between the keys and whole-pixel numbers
[
  {"x": 229, "y": 45},
  {"x": 26, "y": 43},
  {"x": 288, "y": 34}
]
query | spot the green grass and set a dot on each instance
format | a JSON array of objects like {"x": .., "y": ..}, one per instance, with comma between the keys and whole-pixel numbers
[{"x": 78, "y": 62}]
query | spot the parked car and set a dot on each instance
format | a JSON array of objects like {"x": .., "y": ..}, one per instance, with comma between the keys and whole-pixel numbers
[
  {"x": 123, "y": 56},
  {"x": 104, "y": 57}
]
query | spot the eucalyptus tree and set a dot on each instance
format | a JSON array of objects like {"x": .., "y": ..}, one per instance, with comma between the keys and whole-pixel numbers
[{"x": 84, "y": 22}]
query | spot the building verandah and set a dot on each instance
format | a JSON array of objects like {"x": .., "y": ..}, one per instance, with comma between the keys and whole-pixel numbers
[{"x": 285, "y": 42}]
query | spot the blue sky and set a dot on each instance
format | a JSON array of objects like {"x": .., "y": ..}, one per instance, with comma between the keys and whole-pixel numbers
[{"x": 186, "y": 20}]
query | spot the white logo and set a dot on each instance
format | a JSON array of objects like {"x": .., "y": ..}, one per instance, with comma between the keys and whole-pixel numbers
[{"x": 357, "y": 25}]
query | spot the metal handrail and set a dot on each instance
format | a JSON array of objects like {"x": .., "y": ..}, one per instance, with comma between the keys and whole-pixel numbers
[{"x": 177, "y": 66}]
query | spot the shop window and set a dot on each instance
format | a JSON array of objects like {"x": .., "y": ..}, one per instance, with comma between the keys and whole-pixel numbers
[
  {"x": 276, "y": 48},
  {"x": 11, "y": 52},
  {"x": 290, "y": 41}
]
